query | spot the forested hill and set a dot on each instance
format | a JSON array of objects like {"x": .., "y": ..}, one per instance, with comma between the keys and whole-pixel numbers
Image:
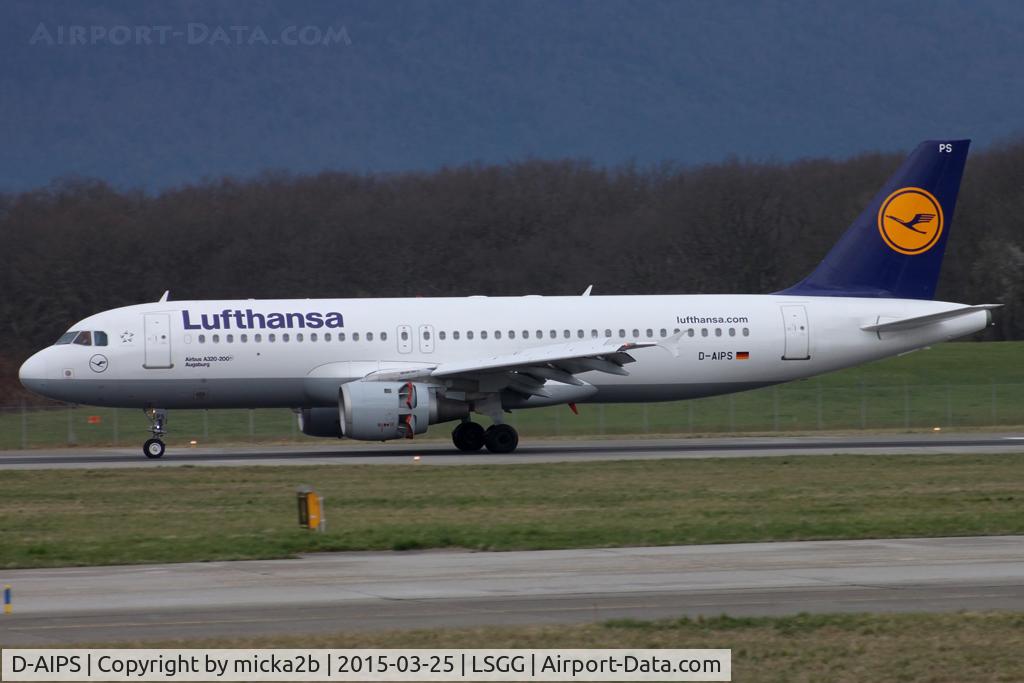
[{"x": 545, "y": 227}]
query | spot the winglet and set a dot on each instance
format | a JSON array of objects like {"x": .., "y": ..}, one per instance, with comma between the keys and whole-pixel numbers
[
  {"x": 165, "y": 296},
  {"x": 586, "y": 292},
  {"x": 672, "y": 343}
]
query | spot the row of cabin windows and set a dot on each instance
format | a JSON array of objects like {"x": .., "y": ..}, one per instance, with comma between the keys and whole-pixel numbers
[
  {"x": 285, "y": 337},
  {"x": 582, "y": 334},
  {"x": 469, "y": 335}
]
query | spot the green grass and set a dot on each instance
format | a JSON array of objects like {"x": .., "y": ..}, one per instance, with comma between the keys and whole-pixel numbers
[
  {"x": 113, "y": 516},
  {"x": 840, "y": 648},
  {"x": 951, "y": 386}
]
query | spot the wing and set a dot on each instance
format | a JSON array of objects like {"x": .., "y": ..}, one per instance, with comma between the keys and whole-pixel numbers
[{"x": 527, "y": 370}]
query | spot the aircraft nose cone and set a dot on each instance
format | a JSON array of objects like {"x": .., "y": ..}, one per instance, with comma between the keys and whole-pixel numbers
[{"x": 33, "y": 373}]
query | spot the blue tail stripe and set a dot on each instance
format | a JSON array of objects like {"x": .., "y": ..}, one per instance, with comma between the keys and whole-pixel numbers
[{"x": 897, "y": 254}]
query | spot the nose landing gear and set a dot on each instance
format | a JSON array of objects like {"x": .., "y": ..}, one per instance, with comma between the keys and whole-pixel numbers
[{"x": 154, "y": 448}]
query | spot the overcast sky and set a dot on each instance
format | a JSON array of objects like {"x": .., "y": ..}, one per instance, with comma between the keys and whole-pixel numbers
[{"x": 156, "y": 94}]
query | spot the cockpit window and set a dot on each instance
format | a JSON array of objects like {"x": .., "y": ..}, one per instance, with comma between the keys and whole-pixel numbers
[
  {"x": 100, "y": 338},
  {"x": 84, "y": 338},
  {"x": 67, "y": 337}
]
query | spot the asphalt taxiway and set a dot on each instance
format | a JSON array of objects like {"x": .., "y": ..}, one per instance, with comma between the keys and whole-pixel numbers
[
  {"x": 438, "y": 452},
  {"x": 385, "y": 590}
]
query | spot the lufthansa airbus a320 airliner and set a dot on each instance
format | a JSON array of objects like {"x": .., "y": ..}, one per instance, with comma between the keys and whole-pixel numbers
[{"x": 379, "y": 369}]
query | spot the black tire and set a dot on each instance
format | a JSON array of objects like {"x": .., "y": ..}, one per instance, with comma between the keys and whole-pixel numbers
[
  {"x": 501, "y": 439},
  {"x": 468, "y": 436},
  {"x": 154, "y": 448}
]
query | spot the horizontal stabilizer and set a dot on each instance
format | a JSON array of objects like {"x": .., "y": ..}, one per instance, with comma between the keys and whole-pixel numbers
[{"x": 922, "y": 320}]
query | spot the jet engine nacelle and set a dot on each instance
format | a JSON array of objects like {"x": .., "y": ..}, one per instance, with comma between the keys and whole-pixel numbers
[
  {"x": 378, "y": 411},
  {"x": 320, "y": 422}
]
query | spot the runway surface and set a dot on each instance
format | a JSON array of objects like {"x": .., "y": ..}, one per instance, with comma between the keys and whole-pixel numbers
[
  {"x": 367, "y": 591},
  {"x": 530, "y": 451}
]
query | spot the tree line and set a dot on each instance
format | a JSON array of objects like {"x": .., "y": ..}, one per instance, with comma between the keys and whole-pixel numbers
[{"x": 81, "y": 246}]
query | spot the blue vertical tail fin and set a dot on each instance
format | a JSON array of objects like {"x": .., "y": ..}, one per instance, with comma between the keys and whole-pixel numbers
[{"x": 895, "y": 247}]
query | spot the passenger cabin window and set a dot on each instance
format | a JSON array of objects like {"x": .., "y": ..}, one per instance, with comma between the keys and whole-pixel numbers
[
  {"x": 369, "y": 336},
  {"x": 84, "y": 338},
  {"x": 383, "y": 336},
  {"x": 455, "y": 335}
]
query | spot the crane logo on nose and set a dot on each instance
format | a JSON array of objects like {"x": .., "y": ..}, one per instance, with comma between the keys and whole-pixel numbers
[
  {"x": 98, "y": 363},
  {"x": 910, "y": 220}
]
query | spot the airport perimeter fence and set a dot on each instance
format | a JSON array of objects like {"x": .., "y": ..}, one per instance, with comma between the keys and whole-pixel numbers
[{"x": 805, "y": 406}]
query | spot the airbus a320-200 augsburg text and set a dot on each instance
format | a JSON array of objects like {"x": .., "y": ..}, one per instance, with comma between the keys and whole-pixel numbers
[{"x": 379, "y": 369}]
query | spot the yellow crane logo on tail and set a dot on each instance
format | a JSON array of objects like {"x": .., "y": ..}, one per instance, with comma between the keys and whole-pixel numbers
[{"x": 910, "y": 220}]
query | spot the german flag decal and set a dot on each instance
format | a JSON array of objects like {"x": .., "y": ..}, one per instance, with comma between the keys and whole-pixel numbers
[{"x": 742, "y": 355}]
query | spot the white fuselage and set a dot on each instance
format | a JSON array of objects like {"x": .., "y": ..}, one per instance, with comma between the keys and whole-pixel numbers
[{"x": 737, "y": 342}]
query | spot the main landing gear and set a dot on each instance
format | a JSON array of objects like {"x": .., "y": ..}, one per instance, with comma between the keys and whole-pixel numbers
[
  {"x": 499, "y": 438},
  {"x": 154, "y": 448}
]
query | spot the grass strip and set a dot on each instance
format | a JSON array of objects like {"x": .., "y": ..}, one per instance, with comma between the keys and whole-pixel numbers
[
  {"x": 842, "y": 648},
  {"x": 177, "y": 514}
]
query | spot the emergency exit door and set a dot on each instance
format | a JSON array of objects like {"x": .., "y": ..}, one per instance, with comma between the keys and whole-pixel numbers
[
  {"x": 157, "y": 329},
  {"x": 404, "y": 338},
  {"x": 798, "y": 335},
  {"x": 426, "y": 338}
]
